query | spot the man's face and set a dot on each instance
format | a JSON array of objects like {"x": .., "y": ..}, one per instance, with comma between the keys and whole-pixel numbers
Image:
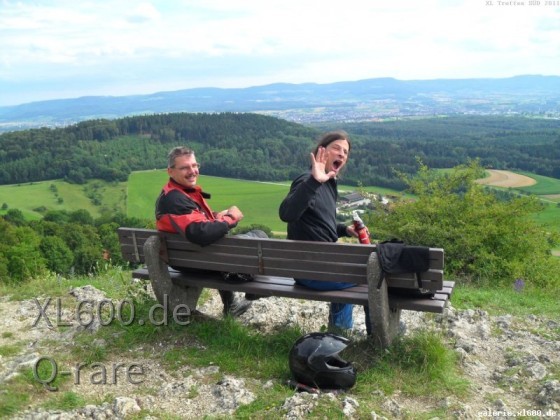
[
  {"x": 337, "y": 155},
  {"x": 185, "y": 171}
]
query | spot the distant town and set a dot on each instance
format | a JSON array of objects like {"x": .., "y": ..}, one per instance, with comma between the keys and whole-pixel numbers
[{"x": 360, "y": 101}]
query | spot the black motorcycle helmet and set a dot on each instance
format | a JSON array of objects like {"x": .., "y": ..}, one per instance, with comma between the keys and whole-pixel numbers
[{"x": 314, "y": 361}]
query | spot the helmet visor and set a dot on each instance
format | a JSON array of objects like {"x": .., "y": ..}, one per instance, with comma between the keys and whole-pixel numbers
[{"x": 328, "y": 346}]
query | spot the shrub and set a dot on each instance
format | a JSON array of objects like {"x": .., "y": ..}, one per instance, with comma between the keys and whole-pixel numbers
[
  {"x": 244, "y": 229},
  {"x": 58, "y": 256},
  {"x": 20, "y": 257},
  {"x": 485, "y": 239}
]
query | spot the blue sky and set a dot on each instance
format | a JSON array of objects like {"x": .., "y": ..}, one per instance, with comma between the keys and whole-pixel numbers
[{"x": 64, "y": 49}]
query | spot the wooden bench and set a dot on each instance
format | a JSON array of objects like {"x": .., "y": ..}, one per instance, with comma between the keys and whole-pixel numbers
[{"x": 274, "y": 263}]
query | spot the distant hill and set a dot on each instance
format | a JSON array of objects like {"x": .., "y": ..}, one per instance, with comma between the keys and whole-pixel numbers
[{"x": 310, "y": 102}]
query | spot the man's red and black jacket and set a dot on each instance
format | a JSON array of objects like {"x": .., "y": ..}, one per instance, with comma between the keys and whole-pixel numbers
[{"x": 185, "y": 209}]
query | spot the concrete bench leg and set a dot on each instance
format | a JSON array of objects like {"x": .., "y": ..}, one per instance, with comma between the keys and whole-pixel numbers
[
  {"x": 161, "y": 281},
  {"x": 384, "y": 320}
]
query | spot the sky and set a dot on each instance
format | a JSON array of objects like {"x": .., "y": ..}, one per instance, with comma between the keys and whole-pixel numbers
[{"x": 53, "y": 49}]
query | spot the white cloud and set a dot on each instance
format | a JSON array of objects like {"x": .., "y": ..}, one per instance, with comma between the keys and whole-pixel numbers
[
  {"x": 114, "y": 47},
  {"x": 144, "y": 12}
]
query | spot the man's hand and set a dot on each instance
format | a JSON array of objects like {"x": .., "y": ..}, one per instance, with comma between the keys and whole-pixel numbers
[
  {"x": 233, "y": 213},
  {"x": 318, "y": 166}
]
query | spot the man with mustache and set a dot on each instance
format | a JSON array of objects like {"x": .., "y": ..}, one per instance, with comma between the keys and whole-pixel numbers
[{"x": 182, "y": 208}]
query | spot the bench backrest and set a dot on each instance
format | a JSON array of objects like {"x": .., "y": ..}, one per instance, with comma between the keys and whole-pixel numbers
[{"x": 339, "y": 262}]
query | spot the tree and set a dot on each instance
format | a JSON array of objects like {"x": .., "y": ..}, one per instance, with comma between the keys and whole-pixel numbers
[
  {"x": 24, "y": 258},
  {"x": 85, "y": 243},
  {"x": 57, "y": 216},
  {"x": 485, "y": 239},
  {"x": 81, "y": 216},
  {"x": 110, "y": 242},
  {"x": 15, "y": 217},
  {"x": 58, "y": 256}
]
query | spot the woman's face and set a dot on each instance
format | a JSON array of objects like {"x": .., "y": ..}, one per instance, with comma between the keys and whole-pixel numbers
[{"x": 337, "y": 155}]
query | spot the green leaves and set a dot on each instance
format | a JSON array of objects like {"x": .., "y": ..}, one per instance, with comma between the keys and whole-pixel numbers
[{"x": 485, "y": 238}]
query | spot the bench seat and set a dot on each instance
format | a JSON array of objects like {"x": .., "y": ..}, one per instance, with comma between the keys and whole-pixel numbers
[{"x": 286, "y": 287}]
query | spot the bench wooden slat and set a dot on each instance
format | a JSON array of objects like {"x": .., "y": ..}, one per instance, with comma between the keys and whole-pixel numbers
[
  {"x": 314, "y": 275},
  {"x": 412, "y": 304},
  {"x": 231, "y": 245},
  {"x": 286, "y": 287},
  {"x": 270, "y": 248},
  {"x": 337, "y": 252},
  {"x": 336, "y": 269},
  {"x": 311, "y": 256},
  {"x": 267, "y": 263},
  {"x": 447, "y": 289}
]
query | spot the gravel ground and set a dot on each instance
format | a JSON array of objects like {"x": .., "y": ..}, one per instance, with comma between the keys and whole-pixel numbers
[{"x": 512, "y": 363}]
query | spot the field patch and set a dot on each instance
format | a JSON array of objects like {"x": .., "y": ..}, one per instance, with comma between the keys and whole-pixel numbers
[
  {"x": 506, "y": 179},
  {"x": 35, "y": 198}
]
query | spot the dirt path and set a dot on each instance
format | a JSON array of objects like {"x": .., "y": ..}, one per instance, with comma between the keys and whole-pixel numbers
[{"x": 506, "y": 179}]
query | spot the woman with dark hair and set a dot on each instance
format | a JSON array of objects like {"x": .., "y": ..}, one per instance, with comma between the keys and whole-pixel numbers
[{"x": 310, "y": 211}]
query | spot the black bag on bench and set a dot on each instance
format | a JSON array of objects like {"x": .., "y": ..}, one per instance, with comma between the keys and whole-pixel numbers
[{"x": 395, "y": 257}]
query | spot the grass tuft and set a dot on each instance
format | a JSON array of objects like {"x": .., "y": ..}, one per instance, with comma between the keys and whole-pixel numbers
[
  {"x": 418, "y": 365},
  {"x": 66, "y": 401},
  {"x": 504, "y": 300},
  {"x": 237, "y": 349}
]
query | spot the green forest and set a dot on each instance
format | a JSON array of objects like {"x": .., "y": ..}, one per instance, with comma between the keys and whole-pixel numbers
[{"x": 257, "y": 147}]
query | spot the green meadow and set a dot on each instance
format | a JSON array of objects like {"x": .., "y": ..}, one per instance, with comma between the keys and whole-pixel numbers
[
  {"x": 544, "y": 185},
  {"x": 36, "y": 197}
]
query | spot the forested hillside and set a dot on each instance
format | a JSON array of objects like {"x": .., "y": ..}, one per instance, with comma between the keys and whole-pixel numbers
[
  {"x": 514, "y": 143},
  {"x": 251, "y": 146},
  {"x": 232, "y": 145}
]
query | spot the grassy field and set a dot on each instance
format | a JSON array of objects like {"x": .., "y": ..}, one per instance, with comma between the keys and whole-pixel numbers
[
  {"x": 259, "y": 201},
  {"x": 60, "y": 195},
  {"x": 544, "y": 186},
  {"x": 549, "y": 217}
]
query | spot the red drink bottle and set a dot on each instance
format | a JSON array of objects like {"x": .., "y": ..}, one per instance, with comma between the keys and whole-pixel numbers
[{"x": 361, "y": 228}]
